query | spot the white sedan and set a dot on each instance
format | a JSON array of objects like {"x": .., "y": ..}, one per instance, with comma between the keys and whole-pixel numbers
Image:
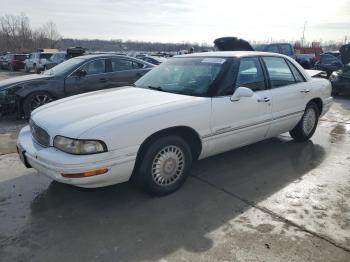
[{"x": 188, "y": 108}]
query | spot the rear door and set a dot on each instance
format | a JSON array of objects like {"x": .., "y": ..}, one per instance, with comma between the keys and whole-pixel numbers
[
  {"x": 289, "y": 94},
  {"x": 124, "y": 71},
  {"x": 236, "y": 123},
  {"x": 96, "y": 78}
]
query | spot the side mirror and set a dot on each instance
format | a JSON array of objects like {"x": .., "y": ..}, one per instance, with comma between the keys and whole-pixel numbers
[
  {"x": 241, "y": 92},
  {"x": 81, "y": 73}
]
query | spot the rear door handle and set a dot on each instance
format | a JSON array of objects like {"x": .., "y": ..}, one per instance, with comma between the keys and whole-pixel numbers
[
  {"x": 305, "y": 91},
  {"x": 265, "y": 99},
  {"x": 103, "y": 80}
]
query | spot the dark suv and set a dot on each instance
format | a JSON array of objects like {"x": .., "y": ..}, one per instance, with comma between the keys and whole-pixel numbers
[{"x": 280, "y": 48}]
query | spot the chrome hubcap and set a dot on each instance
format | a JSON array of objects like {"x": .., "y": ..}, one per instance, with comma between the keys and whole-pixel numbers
[
  {"x": 40, "y": 100},
  {"x": 309, "y": 121},
  {"x": 168, "y": 165}
]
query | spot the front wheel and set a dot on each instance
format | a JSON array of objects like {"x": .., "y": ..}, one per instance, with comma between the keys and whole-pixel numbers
[
  {"x": 306, "y": 127},
  {"x": 164, "y": 166},
  {"x": 35, "y": 100}
]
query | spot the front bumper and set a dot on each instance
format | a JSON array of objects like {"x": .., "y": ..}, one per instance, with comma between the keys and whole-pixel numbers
[{"x": 53, "y": 162}]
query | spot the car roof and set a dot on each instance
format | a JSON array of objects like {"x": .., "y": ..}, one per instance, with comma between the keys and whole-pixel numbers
[
  {"x": 86, "y": 57},
  {"x": 231, "y": 54},
  {"x": 92, "y": 56}
]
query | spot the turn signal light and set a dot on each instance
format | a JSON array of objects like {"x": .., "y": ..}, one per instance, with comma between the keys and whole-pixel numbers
[{"x": 86, "y": 174}]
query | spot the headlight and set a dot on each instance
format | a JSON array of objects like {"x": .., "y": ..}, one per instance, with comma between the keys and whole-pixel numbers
[{"x": 79, "y": 147}]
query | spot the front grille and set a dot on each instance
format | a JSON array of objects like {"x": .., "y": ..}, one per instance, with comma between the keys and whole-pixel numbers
[{"x": 39, "y": 134}]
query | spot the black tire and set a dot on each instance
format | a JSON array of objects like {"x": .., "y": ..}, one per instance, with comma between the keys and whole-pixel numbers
[
  {"x": 31, "y": 102},
  {"x": 145, "y": 175},
  {"x": 299, "y": 132},
  {"x": 10, "y": 67},
  {"x": 27, "y": 69}
]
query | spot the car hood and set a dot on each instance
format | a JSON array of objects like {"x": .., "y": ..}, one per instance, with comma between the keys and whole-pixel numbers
[
  {"x": 21, "y": 79},
  {"x": 75, "y": 115}
]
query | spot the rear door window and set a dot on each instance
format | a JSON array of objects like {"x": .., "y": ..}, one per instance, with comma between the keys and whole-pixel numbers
[
  {"x": 122, "y": 64},
  {"x": 279, "y": 72}
]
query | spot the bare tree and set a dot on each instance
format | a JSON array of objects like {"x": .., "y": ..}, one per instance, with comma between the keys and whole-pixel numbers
[{"x": 16, "y": 35}]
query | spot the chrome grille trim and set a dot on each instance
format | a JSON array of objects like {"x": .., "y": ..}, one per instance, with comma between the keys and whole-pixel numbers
[{"x": 39, "y": 134}]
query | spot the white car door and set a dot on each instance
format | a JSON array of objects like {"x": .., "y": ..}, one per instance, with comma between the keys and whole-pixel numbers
[
  {"x": 237, "y": 123},
  {"x": 289, "y": 94}
]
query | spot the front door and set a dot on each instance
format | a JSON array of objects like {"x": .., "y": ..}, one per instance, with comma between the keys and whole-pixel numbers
[
  {"x": 237, "y": 123},
  {"x": 95, "y": 78}
]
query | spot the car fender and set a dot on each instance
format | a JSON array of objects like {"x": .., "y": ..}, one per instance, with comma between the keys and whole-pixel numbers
[{"x": 54, "y": 87}]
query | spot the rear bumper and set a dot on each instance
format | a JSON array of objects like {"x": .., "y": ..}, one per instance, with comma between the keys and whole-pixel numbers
[{"x": 52, "y": 163}]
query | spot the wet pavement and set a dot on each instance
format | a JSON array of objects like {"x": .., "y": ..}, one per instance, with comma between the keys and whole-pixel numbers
[{"x": 276, "y": 200}]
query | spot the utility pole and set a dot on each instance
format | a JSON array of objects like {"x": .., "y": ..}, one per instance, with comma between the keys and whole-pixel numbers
[{"x": 303, "y": 38}]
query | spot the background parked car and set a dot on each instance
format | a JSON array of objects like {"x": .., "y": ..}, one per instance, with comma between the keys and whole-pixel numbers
[
  {"x": 340, "y": 80},
  {"x": 55, "y": 59},
  {"x": 74, "y": 76},
  {"x": 14, "y": 62},
  {"x": 155, "y": 60},
  {"x": 37, "y": 61},
  {"x": 280, "y": 48},
  {"x": 305, "y": 60},
  {"x": 328, "y": 63},
  {"x": 60, "y": 57}
]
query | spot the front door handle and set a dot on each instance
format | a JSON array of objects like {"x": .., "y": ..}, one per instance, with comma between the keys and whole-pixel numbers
[
  {"x": 103, "y": 80},
  {"x": 305, "y": 91},
  {"x": 265, "y": 99}
]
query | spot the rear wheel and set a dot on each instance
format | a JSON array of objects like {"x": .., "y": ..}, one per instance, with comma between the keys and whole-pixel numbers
[
  {"x": 27, "y": 69},
  {"x": 306, "y": 127},
  {"x": 35, "y": 100},
  {"x": 10, "y": 67},
  {"x": 164, "y": 166}
]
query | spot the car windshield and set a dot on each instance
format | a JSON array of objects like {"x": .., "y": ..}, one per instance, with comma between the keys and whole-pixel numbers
[
  {"x": 65, "y": 67},
  {"x": 185, "y": 75}
]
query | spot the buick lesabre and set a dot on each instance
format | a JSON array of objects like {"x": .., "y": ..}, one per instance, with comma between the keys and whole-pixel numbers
[{"x": 188, "y": 108}]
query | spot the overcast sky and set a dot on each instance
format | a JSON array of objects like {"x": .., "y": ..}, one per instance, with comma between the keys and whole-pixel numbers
[{"x": 189, "y": 20}]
